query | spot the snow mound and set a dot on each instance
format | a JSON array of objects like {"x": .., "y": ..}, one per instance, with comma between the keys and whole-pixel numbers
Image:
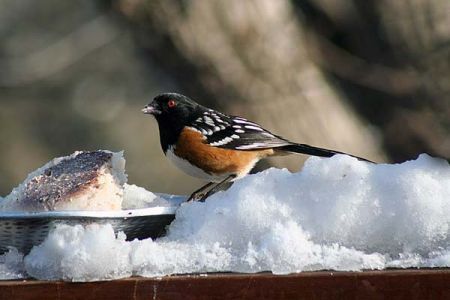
[
  {"x": 77, "y": 253},
  {"x": 11, "y": 265},
  {"x": 337, "y": 213}
]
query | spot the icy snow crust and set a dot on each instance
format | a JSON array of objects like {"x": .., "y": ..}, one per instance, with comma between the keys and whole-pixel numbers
[{"x": 337, "y": 213}]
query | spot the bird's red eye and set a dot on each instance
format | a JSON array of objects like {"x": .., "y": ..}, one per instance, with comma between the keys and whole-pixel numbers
[{"x": 171, "y": 103}]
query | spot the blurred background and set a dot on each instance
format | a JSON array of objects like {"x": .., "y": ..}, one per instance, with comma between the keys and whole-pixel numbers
[{"x": 371, "y": 78}]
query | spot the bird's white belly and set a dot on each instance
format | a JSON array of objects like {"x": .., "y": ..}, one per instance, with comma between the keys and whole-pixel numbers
[{"x": 192, "y": 170}]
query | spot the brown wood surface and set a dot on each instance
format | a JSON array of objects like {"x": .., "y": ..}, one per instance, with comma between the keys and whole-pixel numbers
[{"x": 394, "y": 284}]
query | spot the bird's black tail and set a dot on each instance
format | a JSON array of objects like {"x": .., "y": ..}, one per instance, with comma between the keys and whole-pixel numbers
[{"x": 316, "y": 151}]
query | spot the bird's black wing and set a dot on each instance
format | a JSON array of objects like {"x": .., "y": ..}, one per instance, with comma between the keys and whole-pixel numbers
[{"x": 237, "y": 133}]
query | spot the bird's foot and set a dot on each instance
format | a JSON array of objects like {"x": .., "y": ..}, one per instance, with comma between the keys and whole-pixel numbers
[
  {"x": 200, "y": 196},
  {"x": 197, "y": 196}
]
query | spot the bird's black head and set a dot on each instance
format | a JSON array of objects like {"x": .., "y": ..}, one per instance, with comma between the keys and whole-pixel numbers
[
  {"x": 171, "y": 107},
  {"x": 172, "y": 111}
]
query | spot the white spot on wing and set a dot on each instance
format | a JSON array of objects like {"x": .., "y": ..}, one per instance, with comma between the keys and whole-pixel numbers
[
  {"x": 235, "y": 136},
  {"x": 240, "y": 121},
  {"x": 244, "y": 122},
  {"x": 254, "y": 127},
  {"x": 268, "y": 134},
  {"x": 209, "y": 121},
  {"x": 252, "y": 146},
  {"x": 222, "y": 141},
  {"x": 239, "y": 131}
]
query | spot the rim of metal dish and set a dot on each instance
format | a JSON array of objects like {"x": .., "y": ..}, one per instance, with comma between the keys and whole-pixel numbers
[{"x": 99, "y": 214}]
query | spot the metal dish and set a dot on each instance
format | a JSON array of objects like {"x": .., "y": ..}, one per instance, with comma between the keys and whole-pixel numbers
[{"x": 23, "y": 230}]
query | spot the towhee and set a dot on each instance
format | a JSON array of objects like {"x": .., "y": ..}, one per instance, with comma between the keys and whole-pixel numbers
[{"x": 213, "y": 146}]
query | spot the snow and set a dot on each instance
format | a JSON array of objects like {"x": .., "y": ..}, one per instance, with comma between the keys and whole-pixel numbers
[
  {"x": 76, "y": 253},
  {"x": 335, "y": 214},
  {"x": 136, "y": 197},
  {"x": 11, "y": 265}
]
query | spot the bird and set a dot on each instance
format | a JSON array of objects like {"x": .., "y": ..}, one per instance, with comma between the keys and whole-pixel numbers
[{"x": 214, "y": 146}]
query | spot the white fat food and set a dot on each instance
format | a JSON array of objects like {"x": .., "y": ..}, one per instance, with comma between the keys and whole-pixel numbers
[
  {"x": 107, "y": 194},
  {"x": 9, "y": 202}
]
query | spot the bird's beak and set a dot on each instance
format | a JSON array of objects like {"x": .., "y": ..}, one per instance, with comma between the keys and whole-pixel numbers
[{"x": 151, "y": 109}]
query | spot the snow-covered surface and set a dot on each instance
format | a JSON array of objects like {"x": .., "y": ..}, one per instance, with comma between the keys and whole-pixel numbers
[{"x": 337, "y": 213}]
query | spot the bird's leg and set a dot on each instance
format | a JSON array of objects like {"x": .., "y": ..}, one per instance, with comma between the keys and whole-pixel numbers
[
  {"x": 198, "y": 194},
  {"x": 217, "y": 187}
]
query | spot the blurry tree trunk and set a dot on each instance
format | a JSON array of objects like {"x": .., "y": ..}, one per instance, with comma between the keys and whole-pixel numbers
[
  {"x": 249, "y": 57},
  {"x": 392, "y": 58},
  {"x": 421, "y": 28}
]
